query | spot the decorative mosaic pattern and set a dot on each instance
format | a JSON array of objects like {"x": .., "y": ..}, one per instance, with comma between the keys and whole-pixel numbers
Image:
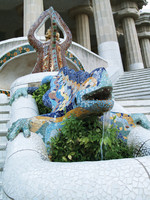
[
  {"x": 123, "y": 122},
  {"x": 20, "y": 92},
  {"x": 75, "y": 60},
  {"x": 141, "y": 119},
  {"x": 15, "y": 52},
  {"x": 5, "y": 92},
  {"x": 51, "y": 54},
  {"x": 28, "y": 48},
  {"x": 34, "y": 177},
  {"x": 80, "y": 93},
  {"x": 71, "y": 90}
]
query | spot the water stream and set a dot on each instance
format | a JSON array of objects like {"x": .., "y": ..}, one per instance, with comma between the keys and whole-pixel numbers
[{"x": 105, "y": 123}]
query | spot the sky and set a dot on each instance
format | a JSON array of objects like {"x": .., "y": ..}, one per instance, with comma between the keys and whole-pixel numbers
[{"x": 148, "y": 6}]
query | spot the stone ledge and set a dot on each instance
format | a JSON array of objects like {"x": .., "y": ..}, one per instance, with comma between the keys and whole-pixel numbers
[
  {"x": 143, "y": 19},
  {"x": 128, "y": 12},
  {"x": 140, "y": 3},
  {"x": 81, "y": 10},
  {"x": 144, "y": 35}
]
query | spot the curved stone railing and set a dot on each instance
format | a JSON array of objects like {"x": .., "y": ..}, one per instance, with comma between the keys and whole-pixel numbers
[
  {"x": 17, "y": 58},
  {"x": 28, "y": 174},
  {"x": 87, "y": 58}
]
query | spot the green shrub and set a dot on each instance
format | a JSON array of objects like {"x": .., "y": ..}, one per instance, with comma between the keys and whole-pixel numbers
[
  {"x": 38, "y": 94},
  {"x": 80, "y": 140}
]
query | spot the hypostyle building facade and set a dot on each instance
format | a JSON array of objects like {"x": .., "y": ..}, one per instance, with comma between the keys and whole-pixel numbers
[{"x": 114, "y": 29}]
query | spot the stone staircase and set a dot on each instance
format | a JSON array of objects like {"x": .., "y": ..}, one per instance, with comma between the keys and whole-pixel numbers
[
  {"x": 4, "y": 118},
  {"x": 132, "y": 91}
]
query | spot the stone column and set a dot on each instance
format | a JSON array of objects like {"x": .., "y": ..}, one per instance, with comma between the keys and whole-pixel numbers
[
  {"x": 145, "y": 47},
  {"x": 82, "y": 15},
  {"x": 143, "y": 29},
  {"x": 108, "y": 46},
  {"x": 127, "y": 14},
  {"x": 32, "y": 10}
]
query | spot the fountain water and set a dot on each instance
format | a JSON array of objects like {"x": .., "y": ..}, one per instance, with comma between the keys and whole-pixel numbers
[{"x": 105, "y": 125}]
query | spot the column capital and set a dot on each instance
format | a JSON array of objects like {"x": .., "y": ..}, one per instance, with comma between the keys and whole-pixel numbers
[
  {"x": 128, "y": 12},
  {"x": 139, "y": 3},
  {"x": 85, "y": 9},
  {"x": 144, "y": 19},
  {"x": 125, "y": 8},
  {"x": 143, "y": 25}
]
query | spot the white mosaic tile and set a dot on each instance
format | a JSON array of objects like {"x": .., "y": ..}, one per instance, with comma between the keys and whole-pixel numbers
[{"x": 34, "y": 178}]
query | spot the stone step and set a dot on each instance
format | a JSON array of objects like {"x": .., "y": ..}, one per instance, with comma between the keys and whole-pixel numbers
[
  {"x": 4, "y": 100},
  {"x": 3, "y": 132},
  {"x": 3, "y": 143},
  {"x": 133, "y": 91},
  {"x": 144, "y": 110},
  {"x": 132, "y": 79},
  {"x": 2, "y": 154},
  {"x": 137, "y": 71},
  {"x": 141, "y": 73},
  {"x": 4, "y": 115},
  {"x": 3, "y": 146},
  {"x": 4, "y": 109},
  {"x": 4, "y": 103},
  {"x": 127, "y": 83},
  {"x": 137, "y": 106},
  {"x": 119, "y": 98},
  {"x": 130, "y": 87},
  {"x": 132, "y": 97},
  {"x": 4, "y": 120},
  {"x": 132, "y": 84},
  {"x": 1, "y": 188},
  {"x": 1, "y": 192},
  {"x": 133, "y": 103},
  {"x": 135, "y": 74},
  {"x": 2, "y": 161},
  {"x": 3, "y": 126}
]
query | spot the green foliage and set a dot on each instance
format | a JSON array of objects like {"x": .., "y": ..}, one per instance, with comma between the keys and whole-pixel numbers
[
  {"x": 80, "y": 140},
  {"x": 38, "y": 94},
  {"x": 113, "y": 147}
]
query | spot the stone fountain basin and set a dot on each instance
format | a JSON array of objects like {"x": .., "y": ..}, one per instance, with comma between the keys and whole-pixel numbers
[{"x": 29, "y": 175}]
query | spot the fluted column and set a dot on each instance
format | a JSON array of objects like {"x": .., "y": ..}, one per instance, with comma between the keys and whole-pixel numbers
[
  {"x": 133, "y": 52},
  {"x": 107, "y": 42},
  {"x": 145, "y": 47},
  {"x": 127, "y": 14},
  {"x": 81, "y": 15},
  {"x": 83, "y": 30},
  {"x": 143, "y": 29},
  {"x": 32, "y": 10}
]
